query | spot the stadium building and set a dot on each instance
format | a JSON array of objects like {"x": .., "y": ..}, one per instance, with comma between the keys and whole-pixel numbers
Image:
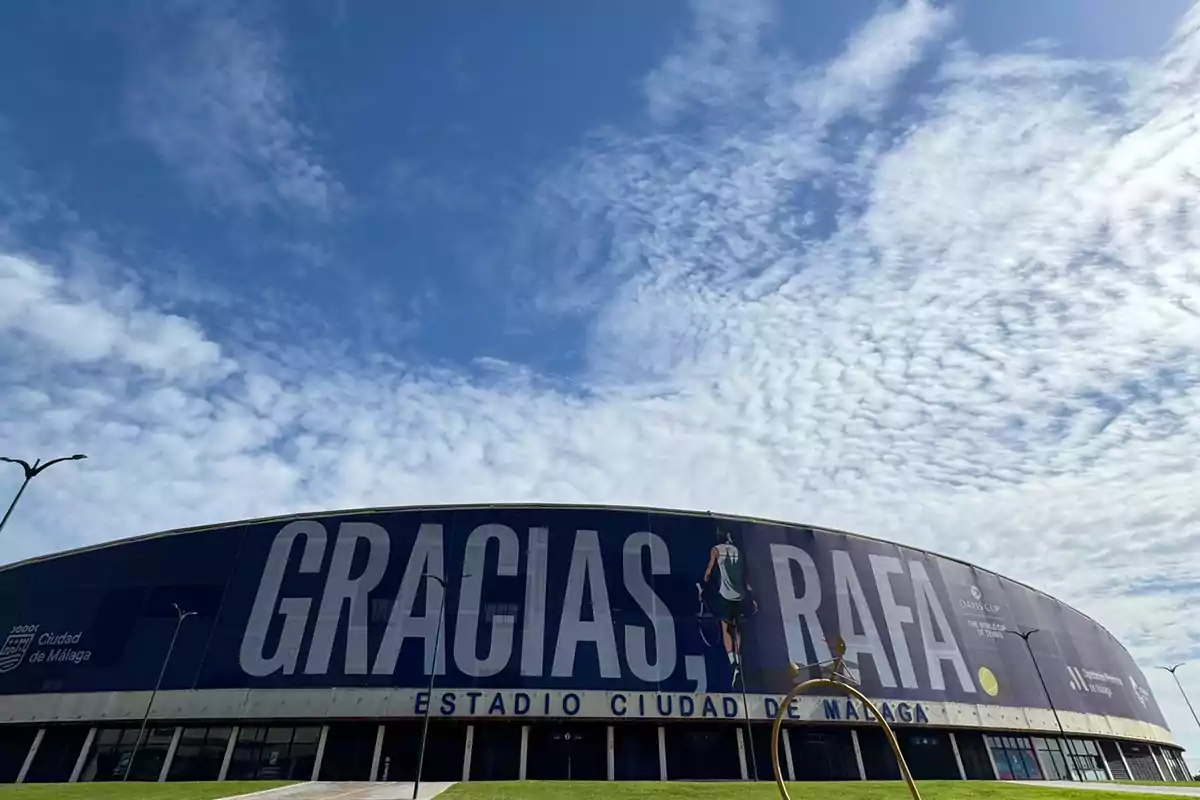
[{"x": 548, "y": 642}]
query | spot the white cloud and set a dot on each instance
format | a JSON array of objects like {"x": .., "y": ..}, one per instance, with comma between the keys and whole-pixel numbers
[
  {"x": 218, "y": 107},
  {"x": 39, "y": 309},
  {"x": 975, "y": 332}
]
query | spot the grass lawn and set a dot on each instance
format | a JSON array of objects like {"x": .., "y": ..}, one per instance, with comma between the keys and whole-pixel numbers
[
  {"x": 133, "y": 791},
  {"x": 856, "y": 790}
]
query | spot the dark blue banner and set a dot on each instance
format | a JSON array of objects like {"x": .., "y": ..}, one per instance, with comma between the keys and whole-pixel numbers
[{"x": 547, "y": 598}]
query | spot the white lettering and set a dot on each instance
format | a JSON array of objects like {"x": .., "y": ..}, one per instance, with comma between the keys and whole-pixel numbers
[
  {"x": 797, "y": 609},
  {"x": 850, "y": 598},
  {"x": 937, "y": 649},
  {"x": 661, "y": 621},
  {"x": 895, "y": 616},
  {"x": 294, "y": 609},
  {"x": 340, "y": 588},
  {"x": 533, "y": 631},
  {"x": 466, "y": 630},
  {"x": 587, "y": 567},
  {"x": 427, "y": 556}
]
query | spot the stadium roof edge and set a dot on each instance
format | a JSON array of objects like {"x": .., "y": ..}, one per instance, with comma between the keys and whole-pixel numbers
[{"x": 528, "y": 506}]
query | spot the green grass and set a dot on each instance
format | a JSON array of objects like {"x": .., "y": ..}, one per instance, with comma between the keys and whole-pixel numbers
[
  {"x": 133, "y": 791},
  {"x": 851, "y": 790}
]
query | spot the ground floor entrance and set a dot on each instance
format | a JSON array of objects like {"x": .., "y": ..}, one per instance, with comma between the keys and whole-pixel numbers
[{"x": 548, "y": 750}]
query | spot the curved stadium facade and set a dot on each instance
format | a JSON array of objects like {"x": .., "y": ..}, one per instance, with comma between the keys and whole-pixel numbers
[{"x": 559, "y": 642}]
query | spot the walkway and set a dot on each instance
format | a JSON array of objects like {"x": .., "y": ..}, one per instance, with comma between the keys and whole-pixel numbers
[
  {"x": 331, "y": 790},
  {"x": 1140, "y": 788}
]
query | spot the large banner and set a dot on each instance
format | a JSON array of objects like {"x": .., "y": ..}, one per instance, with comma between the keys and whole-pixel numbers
[{"x": 550, "y": 600}]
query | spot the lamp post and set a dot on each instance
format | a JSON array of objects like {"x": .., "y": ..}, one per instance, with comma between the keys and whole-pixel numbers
[
  {"x": 437, "y": 640},
  {"x": 1025, "y": 635},
  {"x": 1181, "y": 691},
  {"x": 31, "y": 472},
  {"x": 182, "y": 615}
]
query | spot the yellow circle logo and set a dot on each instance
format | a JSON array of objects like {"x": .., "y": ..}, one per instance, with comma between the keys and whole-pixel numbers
[{"x": 987, "y": 682}]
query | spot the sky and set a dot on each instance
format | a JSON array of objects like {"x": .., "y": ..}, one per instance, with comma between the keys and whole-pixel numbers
[{"x": 929, "y": 271}]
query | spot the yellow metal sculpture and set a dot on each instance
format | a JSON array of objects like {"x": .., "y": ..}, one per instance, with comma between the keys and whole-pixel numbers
[{"x": 837, "y": 679}]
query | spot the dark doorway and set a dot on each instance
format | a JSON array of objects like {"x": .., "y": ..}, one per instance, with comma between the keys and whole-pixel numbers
[
  {"x": 14, "y": 746},
  {"x": 445, "y": 747},
  {"x": 349, "y": 748},
  {"x": 702, "y": 752},
  {"x": 635, "y": 752},
  {"x": 572, "y": 751},
  {"x": 974, "y": 755},
  {"x": 823, "y": 754},
  {"x": 761, "y": 752},
  {"x": 928, "y": 754},
  {"x": 57, "y": 755},
  {"x": 879, "y": 762},
  {"x": 496, "y": 752}
]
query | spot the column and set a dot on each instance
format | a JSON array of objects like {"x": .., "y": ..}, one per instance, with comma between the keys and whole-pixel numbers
[
  {"x": 858, "y": 759},
  {"x": 466, "y": 773},
  {"x": 742, "y": 754},
  {"x": 962, "y": 773},
  {"x": 858, "y": 753},
  {"x": 524, "y": 750},
  {"x": 320, "y": 752},
  {"x": 1041, "y": 762},
  {"x": 662, "y": 753},
  {"x": 1165, "y": 767},
  {"x": 1154, "y": 758},
  {"x": 84, "y": 752},
  {"x": 166, "y": 767},
  {"x": 786, "y": 737},
  {"x": 225, "y": 762},
  {"x": 1104, "y": 762},
  {"x": 377, "y": 754},
  {"x": 32, "y": 754},
  {"x": 987, "y": 748},
  {"x": 612, "y": 753},
  {"x": 1124, "y": 760}
]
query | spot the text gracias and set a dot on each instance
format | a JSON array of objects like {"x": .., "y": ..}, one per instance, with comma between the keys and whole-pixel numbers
[{"x": 650, "y": 649}]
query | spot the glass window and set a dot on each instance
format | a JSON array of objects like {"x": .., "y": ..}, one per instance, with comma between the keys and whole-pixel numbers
[
  {"x": 200, "y": 754},
  {"x": 113, "y": 748},
  {"x": 279, "y": 735},
  {"x": 273, "y": 753},
  {"x": 1015, "y": 758},
  {"x": 312, "y": 735}
]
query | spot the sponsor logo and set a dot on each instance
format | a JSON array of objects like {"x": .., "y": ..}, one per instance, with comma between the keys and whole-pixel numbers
[
  {"x": 1092, "y": 681},
  {"x": 25, "y": 645},
  {"x": 981, "y": 615},
  {"x": 988, "y": 682},
  {"x": 1142, "y": 694},
  {"x": 12, "y": 653}
]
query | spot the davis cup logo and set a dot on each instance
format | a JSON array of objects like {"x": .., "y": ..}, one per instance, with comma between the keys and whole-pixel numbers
[{"x": 16, "y": 646}]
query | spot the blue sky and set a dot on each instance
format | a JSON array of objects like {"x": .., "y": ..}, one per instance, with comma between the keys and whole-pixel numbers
[{"x": 925, "y": 270}]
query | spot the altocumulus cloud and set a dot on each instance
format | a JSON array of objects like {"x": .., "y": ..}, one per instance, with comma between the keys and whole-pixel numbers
[{"x": 970, "y": 324}]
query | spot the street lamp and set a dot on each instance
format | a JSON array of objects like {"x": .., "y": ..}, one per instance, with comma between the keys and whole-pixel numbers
[
  {"x": 1181, "y": 691},
  {"x": 437, "y": 640},
  {"x": 182, "y": 615},
  {"x": 1025, "y": 635},
  {"x": 31, "y": 472}
]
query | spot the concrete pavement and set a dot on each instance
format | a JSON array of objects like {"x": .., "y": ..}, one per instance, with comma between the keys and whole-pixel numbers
[
  {"x": 337, "y": 790},
  {"x": 1140, "y": 788}
]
